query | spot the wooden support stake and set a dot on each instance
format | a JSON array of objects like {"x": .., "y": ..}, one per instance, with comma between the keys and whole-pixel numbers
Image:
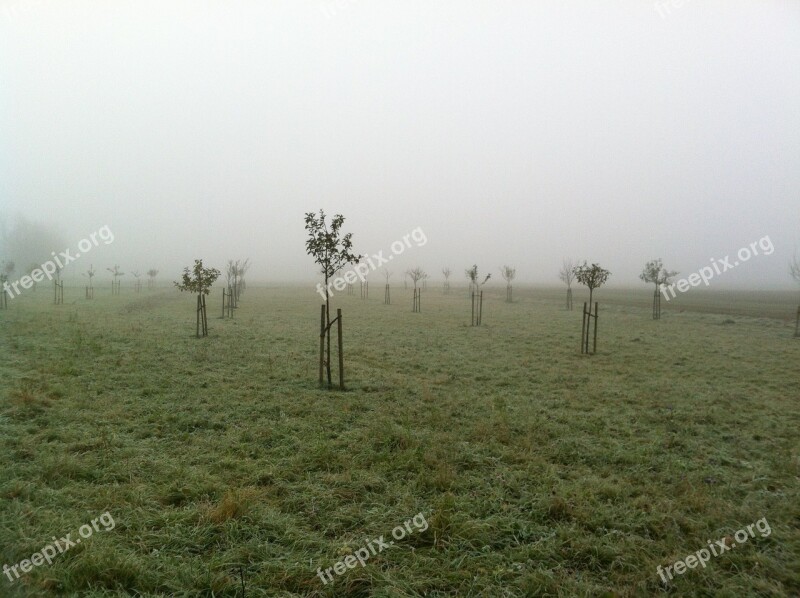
[
  {"x": 472, "y": 321},
  {"x": 341, "y": 349},
  {"x": 321, "y": 342},
  {"x": 205, "y": 317},
  {"x": 583, "y": 329},
  {"x": 197, "y": 326}
]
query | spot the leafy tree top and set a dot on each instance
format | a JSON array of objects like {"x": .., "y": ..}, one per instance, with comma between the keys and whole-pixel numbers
[
  {"x": 508, "y": 273},
  {"x": 198, "y": 279},
  {"x": 472, "y": 274},
  {"x": 655, "y": 272},
  {"x": 330, "y": 249},
  {"x": 591, "y": 276}
]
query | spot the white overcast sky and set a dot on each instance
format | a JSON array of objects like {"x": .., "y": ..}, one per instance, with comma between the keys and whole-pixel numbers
[{"x": 512, "y": 132}]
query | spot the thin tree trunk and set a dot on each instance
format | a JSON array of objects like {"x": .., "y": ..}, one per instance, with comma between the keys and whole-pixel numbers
[
  {"x": 341, "y": 348},
  {"x": 328, "y": 326}
]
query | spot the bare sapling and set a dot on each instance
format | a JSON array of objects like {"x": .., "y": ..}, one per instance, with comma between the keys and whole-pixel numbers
[
  {"x": 90, "y": 287},
  {"x": 137, "y": 285},
  {"x": 416, "y": 275},
  {"x": 116, "y": 273},
  {"x": 567, "y": 275},
  {"x": 508, "y": 273}
]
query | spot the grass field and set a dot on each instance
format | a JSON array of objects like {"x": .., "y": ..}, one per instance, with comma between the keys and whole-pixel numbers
[{"x": 539, "y": 472}]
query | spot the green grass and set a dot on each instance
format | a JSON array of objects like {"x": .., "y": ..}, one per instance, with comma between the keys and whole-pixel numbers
[{"x": 541, "y": 472}]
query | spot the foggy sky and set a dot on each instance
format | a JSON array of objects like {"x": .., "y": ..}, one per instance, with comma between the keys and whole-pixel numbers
[{"x": 512, "y": 133}]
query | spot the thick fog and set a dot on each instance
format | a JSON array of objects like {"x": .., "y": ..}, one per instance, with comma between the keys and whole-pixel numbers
[{"x": 513, "y": 133}]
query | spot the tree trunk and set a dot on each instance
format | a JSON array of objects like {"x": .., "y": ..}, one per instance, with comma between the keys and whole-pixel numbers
[{"x": 328, "y": 335}]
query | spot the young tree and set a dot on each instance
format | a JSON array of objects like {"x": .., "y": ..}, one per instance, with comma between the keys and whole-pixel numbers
[
  {"x": 567, "y": 275},
  {"x": 90, "y": 275},
  {"x": 234, "y": 275},
  {"x": 446, "y": 272},
  {"x": 199, "y": 280},
  {"x": 230, "y": 279},
  {"x": 242, "y": 266},
  {"x": 332, "y": 251},
  {"x": 508, "y": 273},
  {"x": 151, "y": 277},
  {"x": 116, "y": 273},
  {"x": 387, "y": 297},
  {"x": 416, "y": 274},
  {"x": 655, "y": 272},
  {"x": 137, "y": 284},
  {"x": 472, "y": 275},
  {"x": 591, "y": 276}
]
